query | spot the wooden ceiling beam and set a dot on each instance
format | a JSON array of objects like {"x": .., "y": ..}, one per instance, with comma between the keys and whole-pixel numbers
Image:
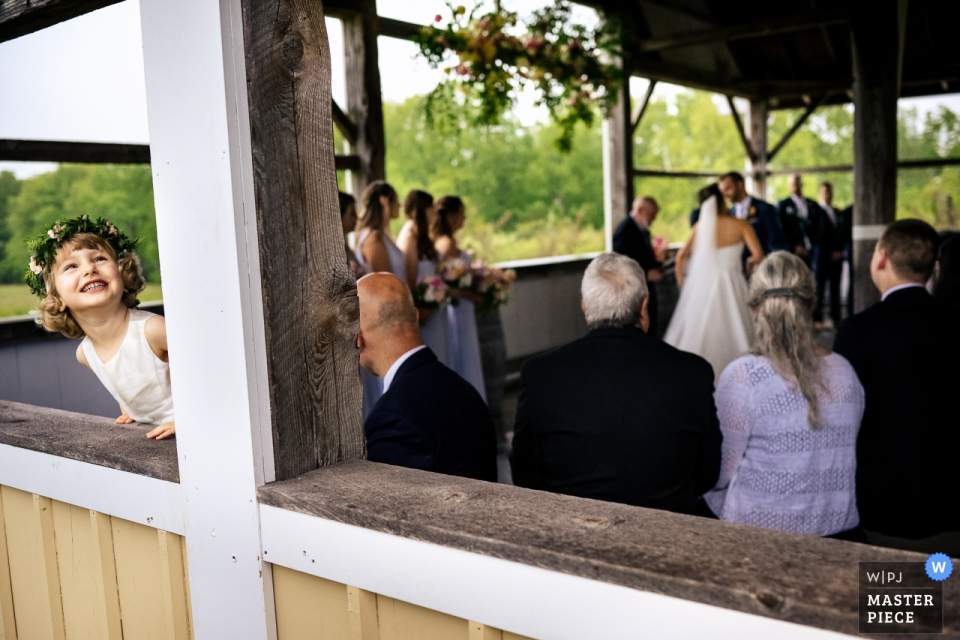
[
  {"x": 398, "y": 28},
  {"x": 762, "y": 28},
  {"x": 21, "y": 17}
]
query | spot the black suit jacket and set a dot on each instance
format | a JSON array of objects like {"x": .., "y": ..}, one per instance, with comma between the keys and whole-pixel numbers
[
  {"x": 432, "y": 419},
  {"x": 632, "y": 241},
  {"x": 802, "y": 232},
  {"x": 618, "y": 416},
  {"x": 907, "y": 482}
]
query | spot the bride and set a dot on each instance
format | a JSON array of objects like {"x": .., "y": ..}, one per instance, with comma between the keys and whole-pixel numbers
[{"x": 712, "y": 318}]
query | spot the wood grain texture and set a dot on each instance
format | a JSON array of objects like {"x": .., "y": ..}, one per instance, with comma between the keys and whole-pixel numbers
[
  {"x": 786, "y": 576},
  {"x": 308, "y": 607},
  {"x": 150, "y": 582},
  {"x": 34, "y": 576},
  {"x": 8, "y": 623},
  {"x": 310, "y": 302},
  {"x": 362, "y": 614},
  {"x": 618, "y": 179},
  {"x": 401, "y": 620},
  {"x": 364, "y": 102},
  {"x": 20, "y": 17},
  {"x": 88, "y": 588},
  {"x": 89, "y": 439}
]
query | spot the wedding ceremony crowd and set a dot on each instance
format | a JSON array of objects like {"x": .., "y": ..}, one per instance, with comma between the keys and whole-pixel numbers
[{"x": 738, "y": 413}]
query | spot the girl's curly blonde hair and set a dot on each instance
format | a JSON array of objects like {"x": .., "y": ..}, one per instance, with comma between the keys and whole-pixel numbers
[{"x": 52, "y": 319}]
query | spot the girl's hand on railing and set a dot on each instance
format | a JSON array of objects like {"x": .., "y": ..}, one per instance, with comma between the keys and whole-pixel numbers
[
  {"x": 124, "y": 417},
  {"x": 164, "y": 430}
]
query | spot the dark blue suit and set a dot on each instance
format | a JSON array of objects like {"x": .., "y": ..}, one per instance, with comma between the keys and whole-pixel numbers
[
  {"x": 432, "y": 419},
  {"x": 803, "y": 231}
]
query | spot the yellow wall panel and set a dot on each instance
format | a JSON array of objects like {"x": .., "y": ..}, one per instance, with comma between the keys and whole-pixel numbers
[
  {"x": 404, "y": 621},
  {"x": 32, "y": 553},
  {"x": 186, "y": 586},
  {"x": 88, "y": 589},
  {"x": 8, "y": 625},
  {"x": 150, "y": 593},
  {"x": 514, "y": 636},
  {"x": 362, "y": 613},
  {"x": 308, "y": 607},
  {"x": 480, "y": 631}
]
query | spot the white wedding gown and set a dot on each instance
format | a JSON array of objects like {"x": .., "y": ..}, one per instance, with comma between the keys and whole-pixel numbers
[{"x": 712, "y": 319}]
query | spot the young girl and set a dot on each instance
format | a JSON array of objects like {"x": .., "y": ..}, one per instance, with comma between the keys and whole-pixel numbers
[{"x": 87, "y": 275}]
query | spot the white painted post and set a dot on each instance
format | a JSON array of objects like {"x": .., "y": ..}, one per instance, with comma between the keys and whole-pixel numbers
[{"x": 206, "y": 227}]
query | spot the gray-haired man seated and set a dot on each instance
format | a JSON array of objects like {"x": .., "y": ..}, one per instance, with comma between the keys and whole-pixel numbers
[{"x": 617, "y": 415}]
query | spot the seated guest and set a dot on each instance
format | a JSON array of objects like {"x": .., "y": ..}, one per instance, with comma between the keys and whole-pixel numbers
[
  {"x": 428, "y": 417},
  {"x": 618, "y": 415},
  {"x": 900, "y": 348},
  {"x": 789, "y": 413}
]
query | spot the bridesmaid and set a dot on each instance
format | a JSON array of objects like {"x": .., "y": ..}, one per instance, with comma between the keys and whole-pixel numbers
[
  {"x": 376, "y": 251},
  {"x": 464, "y": 339},
  {"x": 422, "y": 260}
]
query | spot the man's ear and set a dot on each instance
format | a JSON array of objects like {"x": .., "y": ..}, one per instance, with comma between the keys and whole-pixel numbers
[
  {"x": 645, "y": 316},
  {"x": 881, "y": 258},
  {"x": 360, "y": 341}
]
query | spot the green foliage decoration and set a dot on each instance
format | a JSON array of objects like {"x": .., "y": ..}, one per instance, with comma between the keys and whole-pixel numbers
[
  {"x": 46, "y": 243},
  {"x": 571, "y": 67}
]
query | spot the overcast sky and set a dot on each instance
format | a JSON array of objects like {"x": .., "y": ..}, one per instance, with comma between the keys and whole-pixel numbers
[{"x": 83, "y": 79}]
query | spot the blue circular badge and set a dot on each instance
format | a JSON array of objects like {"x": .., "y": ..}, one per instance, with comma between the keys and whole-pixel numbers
[{"x": 939, "y": 566}]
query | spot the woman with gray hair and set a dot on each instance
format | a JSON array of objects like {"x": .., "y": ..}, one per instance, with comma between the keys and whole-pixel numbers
[{"x": 790, "y": 412}]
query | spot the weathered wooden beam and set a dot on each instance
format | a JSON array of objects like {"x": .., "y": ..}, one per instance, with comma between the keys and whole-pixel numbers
[
  {"x": 743, "y": 134},
  {"x": 80, "y": 152},
  {"x": 348, "y": 163},
  {"x": 642, "y": 107},
  {"x": 343, "y": 122},
  {"x": 20, "y": 17},
  {"x": 398, "y": 28},
  {"x": 796, "y": 126},
  {"x": 758, "y": 145},
  {"x": 617, "y": 165},
  {"x": 691, "y": 77},
  {"x": 874, "y": 33},
  {"x": 311, "y": 314},
  {"x": 666, "y": 173},
  {"x": 760, "y": 29},
  {"x": 364, "y": 102}
]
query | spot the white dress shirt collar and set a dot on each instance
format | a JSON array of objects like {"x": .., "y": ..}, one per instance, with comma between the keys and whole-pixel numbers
[
  {"x": 392, "y": 371},
  {"x": 898, "y": 288},
  {"x": 801, "y": 205}
]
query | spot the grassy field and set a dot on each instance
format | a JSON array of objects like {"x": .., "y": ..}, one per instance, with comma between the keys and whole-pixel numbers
[{"x": 16, "y": 299}]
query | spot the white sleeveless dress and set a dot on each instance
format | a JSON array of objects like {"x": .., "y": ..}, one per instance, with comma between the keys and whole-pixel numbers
[
  {"x": 373, "y": 384},
  {"x": 436, "y": 333},
  {"x": 465, "y": 342},
  {"x": 712, "y": 318},
  {"x": 136, "y": 378}
]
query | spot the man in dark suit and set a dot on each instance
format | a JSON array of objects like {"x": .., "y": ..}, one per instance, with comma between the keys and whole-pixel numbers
[
  {"x": 632, "y": 239},
  {"x": 428, "y": 417},
  {"x": 901, "y": 350},
  {"x": 617, "y": 415},
  {"x": 828, "y": 256},
  {"x": 801, "y": 219},
  {"x": 762, "y": 215}
]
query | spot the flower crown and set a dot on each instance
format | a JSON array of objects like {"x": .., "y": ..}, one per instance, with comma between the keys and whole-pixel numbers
[{"x": 44, "y": 246}]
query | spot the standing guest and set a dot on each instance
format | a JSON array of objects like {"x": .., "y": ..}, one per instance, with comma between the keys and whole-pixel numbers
[
  {"x": 901, "y": 350},
  {"x": 422, "y": 259},
  {"x": 617, "y": 415},
  {"x": 348, "y": 220},
  {"x": 376, "y": 252},
  {"x": 828, "y": 256},
  {"x": 762, "y": 215},
  {"x": 464, "y": 339},
  {"x": 632, "y": 239},
  {"x": 789, "y": 413},
  {"x": 801, "y": 219},
  {"x": 428, "y": 418}
]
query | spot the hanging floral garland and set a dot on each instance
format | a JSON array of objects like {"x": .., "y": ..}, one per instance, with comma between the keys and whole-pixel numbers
[{"x": 491, "y": 58}]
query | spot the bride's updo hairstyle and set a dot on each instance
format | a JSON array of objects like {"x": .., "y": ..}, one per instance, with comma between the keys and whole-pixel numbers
[
  {"x": 713, "y": 191},
  {"x": 783, "y": 296}
]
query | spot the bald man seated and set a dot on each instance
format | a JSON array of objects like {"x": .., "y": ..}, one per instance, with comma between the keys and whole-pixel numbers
[{"x": 428, "y": 417}]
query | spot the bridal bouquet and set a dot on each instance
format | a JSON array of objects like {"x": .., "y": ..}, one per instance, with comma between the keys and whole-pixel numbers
[
  {"x": 493, "y": 286},
  {"x": 456, "y": 274},
  {"x": 430, "y": 292}
]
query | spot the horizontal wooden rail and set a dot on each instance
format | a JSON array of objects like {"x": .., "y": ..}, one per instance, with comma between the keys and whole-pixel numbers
[
  {"x": 348, "y": 163},
  {"x": 666, "y": 173},
  {"x": 81, "y": 152},
  {"x": 399, "y": 29},
  {"x": 20, "y": 17},
  {"x": 835, "y": 168}
]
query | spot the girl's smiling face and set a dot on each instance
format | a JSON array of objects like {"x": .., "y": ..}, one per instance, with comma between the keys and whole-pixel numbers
[{"x": 87, "y": 279}]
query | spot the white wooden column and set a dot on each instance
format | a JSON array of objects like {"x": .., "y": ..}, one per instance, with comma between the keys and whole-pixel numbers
[{"x": 206, "y": 227}]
